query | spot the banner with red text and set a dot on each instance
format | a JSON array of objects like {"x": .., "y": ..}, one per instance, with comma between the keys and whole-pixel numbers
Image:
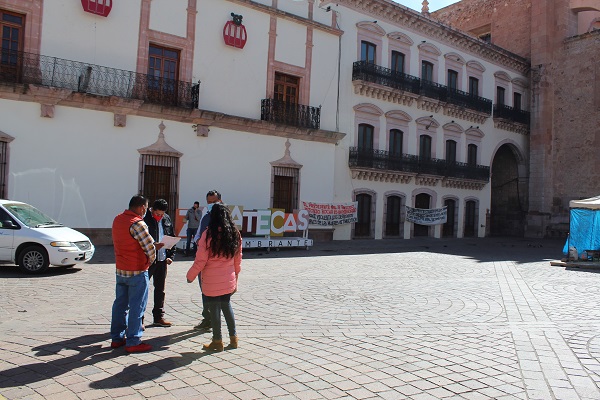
[{"x": 329, "y": 214}]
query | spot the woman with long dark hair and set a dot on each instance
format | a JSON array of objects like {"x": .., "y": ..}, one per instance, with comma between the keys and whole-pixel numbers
[{"x": 219, "y": 258}]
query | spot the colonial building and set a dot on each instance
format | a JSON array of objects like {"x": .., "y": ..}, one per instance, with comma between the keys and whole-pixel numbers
[
  {"x": 562, "y": 40},
  {"x": 270, "y": 101}
]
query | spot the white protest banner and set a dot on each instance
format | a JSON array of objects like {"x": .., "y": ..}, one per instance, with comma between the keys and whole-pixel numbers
[
  {"x": 328, "y": 214},
  {"x": 425, "y": 216}
]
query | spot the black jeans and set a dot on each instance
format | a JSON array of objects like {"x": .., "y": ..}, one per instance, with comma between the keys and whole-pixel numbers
[{"x": 158, "y": 273}]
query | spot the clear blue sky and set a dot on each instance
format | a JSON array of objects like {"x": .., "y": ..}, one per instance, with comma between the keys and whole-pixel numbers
[{"x": 434, "y": 5}]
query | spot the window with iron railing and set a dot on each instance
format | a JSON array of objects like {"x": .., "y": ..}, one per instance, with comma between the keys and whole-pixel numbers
[
  {"x": 451, "y": 151},
  {"x": 397, "y": 61},
  {"x": 473, "y": 86},
  {"x": 11, "y": 40},
  {"x": 427, "y": 71},
  {"x": 452, "y": 79},
  {"x": 396, "y": 137}
]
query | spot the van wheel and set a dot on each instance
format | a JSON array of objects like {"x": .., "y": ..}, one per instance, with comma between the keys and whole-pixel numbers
[{"x": 34, "y": 260}]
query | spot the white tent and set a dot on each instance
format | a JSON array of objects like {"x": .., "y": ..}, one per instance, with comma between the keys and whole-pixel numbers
[{"x": 592, "y": 203}]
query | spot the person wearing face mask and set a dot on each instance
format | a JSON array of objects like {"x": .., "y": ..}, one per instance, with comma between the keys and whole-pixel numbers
[
  {"x": 159, "y": 224},
  {"x": 212, "y": 197}
]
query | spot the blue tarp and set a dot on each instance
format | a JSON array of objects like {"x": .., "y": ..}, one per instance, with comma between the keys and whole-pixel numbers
[{"x": 584, "y": 230}]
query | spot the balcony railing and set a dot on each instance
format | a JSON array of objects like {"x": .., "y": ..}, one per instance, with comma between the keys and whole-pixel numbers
[
  {"x": 29, "y": 68},
  {"x": 383, "y": 160},
  {"x": 511, "y": 113},
  {"x": 369, "y": 72},
  {"x": 290, "y": 114},
  {"x": 467, "y": 100}
]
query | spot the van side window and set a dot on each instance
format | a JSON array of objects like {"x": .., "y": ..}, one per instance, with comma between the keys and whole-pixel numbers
[{"x": 6, "y": 221}]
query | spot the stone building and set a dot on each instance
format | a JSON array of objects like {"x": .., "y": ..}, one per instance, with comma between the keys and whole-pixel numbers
[
  {"x": 561, "y": 40},
  {"x": 270, "y": 101}
]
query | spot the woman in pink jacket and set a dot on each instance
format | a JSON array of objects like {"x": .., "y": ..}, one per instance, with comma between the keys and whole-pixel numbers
[{"x": 219, "y": 258}]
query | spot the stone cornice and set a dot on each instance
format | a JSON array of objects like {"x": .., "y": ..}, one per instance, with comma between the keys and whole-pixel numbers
[
  {"x": 378, "y": 175},
  {"x": 368, "y": 174},
  {"x": 400, "y": 15},
  {"x": 285, "y": 15},
  {"x": 511, "y": 126},
  {"x": 468, "y": 184},
  {"x": 404, "y": 98},
  {"x": 120, "y": 105}
]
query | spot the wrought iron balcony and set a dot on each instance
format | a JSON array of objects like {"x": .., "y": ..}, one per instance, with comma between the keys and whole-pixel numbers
[
  {"x": 290, "y": 114},
  {"x": 369, "y": 72},
  {"x": 384, "y": 160},
  {"x": 467, "y": 100},
  {"x": 512, "y": 114},
  {"x": 29, "y": 68}
]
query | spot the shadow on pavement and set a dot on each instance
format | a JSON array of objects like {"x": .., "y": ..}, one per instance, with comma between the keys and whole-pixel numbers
[
  {"x": 91, "y": 349},
  {"x": 520, "y": 250},
  {"x": 12, "y": 271}
]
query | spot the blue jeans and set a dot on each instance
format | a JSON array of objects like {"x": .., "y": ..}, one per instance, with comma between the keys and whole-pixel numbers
[
  {"x": 191, "y": 232},
  {"x": 216, "y": 305},
  {"x": 131, "y": 294}
]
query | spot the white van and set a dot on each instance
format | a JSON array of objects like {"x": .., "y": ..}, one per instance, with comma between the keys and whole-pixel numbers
[{"x": 35, "y": 241}]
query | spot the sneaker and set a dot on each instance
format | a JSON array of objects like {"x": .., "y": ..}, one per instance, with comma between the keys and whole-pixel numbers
[
  {"x": 140, "y": 348},
  {"x": 116, "y": 345},
  {"x": 203, "y": 326},
  {"x": 162, "y": 322}
]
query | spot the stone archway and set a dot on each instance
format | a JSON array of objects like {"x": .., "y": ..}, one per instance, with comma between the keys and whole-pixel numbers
[{"x": 509, "y": 193}]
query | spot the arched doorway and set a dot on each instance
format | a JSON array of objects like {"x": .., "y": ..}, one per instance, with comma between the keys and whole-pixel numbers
[
  {"x": 449, "y": 228},
  {"x": 362, "y": 228},
  {"x": 422, "y": 200},
  {"x": 507, "y": 214}
]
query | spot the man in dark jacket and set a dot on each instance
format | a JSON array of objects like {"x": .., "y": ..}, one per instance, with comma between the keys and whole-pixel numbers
[{"x": 159, "y": 224}]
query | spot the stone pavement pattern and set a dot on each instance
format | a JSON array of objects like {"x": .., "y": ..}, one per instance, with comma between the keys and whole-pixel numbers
[{"x": 429, "y": 319}]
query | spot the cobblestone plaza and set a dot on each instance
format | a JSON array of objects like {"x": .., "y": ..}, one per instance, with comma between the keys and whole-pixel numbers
[{"x": 418, "y": 319}]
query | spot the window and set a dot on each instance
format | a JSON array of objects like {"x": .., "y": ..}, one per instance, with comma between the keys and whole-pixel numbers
[
  {"x": 392, "y": 219},
  {"x": 450, "y": 151},
  {"x": 500, "y": 95},
  {"x": 362, "y": 228},
  {"x": 159, "y": 179},
  {"x": 163, "y": 73},
  {"x": 427, "y": 71},
  {"x": 452, "y": 79},
  {"x": 365, "y": 137},
  {"x": 517, "y": 101},
  {"x": 397, "y": 61},
  {"x": 473, "y": 86},
  {"x": 425, "y": 147},
  {"x": 367, "y": 52},
  {"x": 395, "y": 148},
  {"x": 11, "y": 38},
  {"x": 472, "y": 155},
  {"x": 286, "y": 88},
  {"x": 285, "y": 188}
]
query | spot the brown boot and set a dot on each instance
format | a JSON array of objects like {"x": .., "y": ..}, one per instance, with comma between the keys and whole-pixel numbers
[
  {"x": 215, "y": 345},
  {"x": 233, "y": 342}
]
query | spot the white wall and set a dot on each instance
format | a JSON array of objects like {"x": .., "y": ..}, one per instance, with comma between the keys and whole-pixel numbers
[
  {"x": 69, "y": 32},
  {"x": 169, "y": 16}
]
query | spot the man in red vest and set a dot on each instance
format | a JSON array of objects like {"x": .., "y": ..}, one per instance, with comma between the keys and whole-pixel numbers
[{"x": 135, "y": 251}]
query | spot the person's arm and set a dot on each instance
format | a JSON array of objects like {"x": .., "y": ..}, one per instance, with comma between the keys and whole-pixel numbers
[
  {"x": 200, "y": 260},
  {"x": 237, "y": 259},
  {"x": 139, "y": 231}
]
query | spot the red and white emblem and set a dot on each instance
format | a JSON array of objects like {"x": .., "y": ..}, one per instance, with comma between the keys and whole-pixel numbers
[
  {"x": 234, "y": 32},
  {"x": 98, "y": 7}
]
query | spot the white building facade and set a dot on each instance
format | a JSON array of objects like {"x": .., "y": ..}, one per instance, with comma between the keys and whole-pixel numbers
[{"x": 100, "y": 100}]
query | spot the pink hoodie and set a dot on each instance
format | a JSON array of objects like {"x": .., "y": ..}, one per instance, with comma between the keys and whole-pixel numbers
[{"x": 219, "y": 274}]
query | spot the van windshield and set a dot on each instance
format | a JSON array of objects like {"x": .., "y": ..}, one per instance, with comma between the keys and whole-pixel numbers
[{"x": 31, "y": 216}]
